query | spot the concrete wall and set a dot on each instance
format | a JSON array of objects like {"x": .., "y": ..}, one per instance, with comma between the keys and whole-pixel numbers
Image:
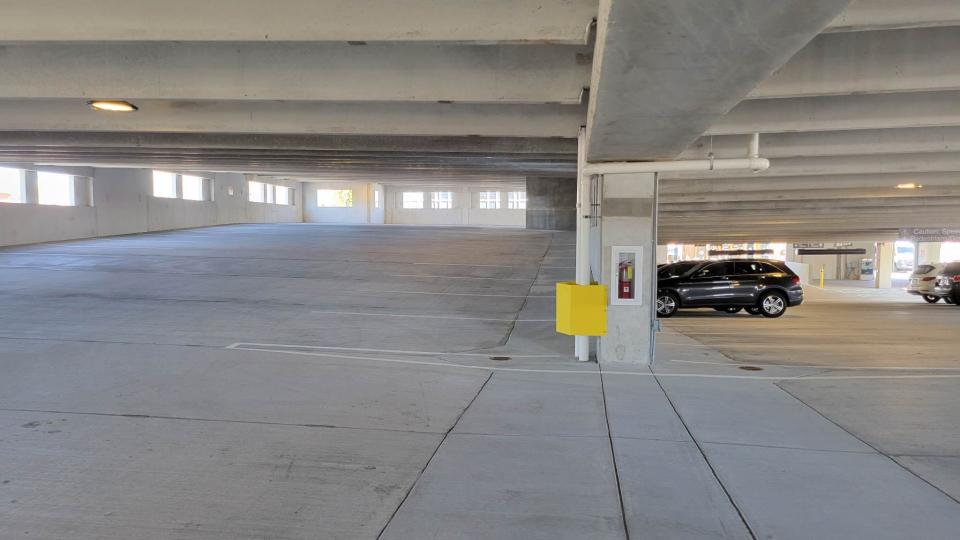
[
  {"x": 377, "y": 214},
  {"x": 552, "y": 203},
  {"x": 465, "y": 209},
  {"x": 123, "y": 204},
  {"x": 835, "y": 266}
]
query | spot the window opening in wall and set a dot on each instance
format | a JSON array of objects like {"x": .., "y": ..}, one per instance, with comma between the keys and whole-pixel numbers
[
  {"x": 256, "y": 191},
  {"x": 490, "y": 200},
  {"x": 376, "y": 198},
  {"x": 11, "y": 186},
  {"x": 164, "y": 184},
  {"x": 441, "y": 199},
  {"x": 271, "y": 190},
  {"x": 412, "y": 199},
  {"x": 334, "y": 198},
  {"x": 283, "y": 195},
  {"x": 193, "y": 188},
  {"x": 517, "y": 200},
  {"x": 55, "y": 189}
]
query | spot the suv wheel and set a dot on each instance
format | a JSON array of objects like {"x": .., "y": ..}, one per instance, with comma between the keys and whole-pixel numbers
[
  {"x": 773, "y": 305},
  {"x": 753, "y": 310},
  {"x": 731, "y": 310},
  {"x": 667, "y": 304},
  {"x": 931, "y": 299}
]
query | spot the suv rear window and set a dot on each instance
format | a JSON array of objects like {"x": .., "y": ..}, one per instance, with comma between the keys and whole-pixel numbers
[
  {"x": 756, "y": 267},
  {"x": 924, "y": 269},
  {"x": 952, "y": 268}
]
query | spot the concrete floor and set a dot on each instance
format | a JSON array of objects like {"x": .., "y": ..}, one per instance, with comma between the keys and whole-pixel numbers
[{"x": 305, "y": 381}]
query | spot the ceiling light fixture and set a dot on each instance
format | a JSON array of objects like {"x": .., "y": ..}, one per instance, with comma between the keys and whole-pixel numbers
[
  {"x": 909, "y": 185},
  {"x": 112, "y": 106}
]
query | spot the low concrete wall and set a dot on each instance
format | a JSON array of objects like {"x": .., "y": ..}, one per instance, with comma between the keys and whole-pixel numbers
[
  {"x": 123, "y": 204},
  {"x": 552, "y": 203}
]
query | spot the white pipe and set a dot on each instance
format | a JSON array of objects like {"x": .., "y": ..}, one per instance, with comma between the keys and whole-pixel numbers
[
  {"x": 754, "y": 146},
  {"x": 629, "y": 167},
  {"x": 581, "y": 344},
  {"x": 754, "y": 163}
]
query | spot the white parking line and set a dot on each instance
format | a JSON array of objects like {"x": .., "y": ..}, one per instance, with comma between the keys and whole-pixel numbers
[
  {"x": 470, "y": 294},
  {"x": 391, "y": 351},
  {"x": 443, "y": 317},
  {"x": 240, "y": 346},
  {"x": 462, "y": 277},
  {"x": 809, "y": 366}
]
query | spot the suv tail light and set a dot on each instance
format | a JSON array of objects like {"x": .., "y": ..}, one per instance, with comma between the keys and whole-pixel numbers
[
  {"x": 956, "y": 278},
  {"x": 928, "y": 279},
  {"x": 795, "y": 280}
]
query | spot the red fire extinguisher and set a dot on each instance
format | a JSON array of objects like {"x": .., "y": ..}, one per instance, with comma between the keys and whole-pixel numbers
[{"x": 625, "y": 280}]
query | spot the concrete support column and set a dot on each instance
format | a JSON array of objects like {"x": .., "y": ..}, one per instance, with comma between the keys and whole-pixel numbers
[
  {"x": 82, "y": 191},
  {"x": 661, "y": 254},
  {"x": 884, "y": 265},
  {"x": 551, "y": 203},
  {"x": 791, "y": 253},
  {"x": 31, "y": 193},
  {"x": 929, "y": 252},
  {"x": 628, "y": 219}
]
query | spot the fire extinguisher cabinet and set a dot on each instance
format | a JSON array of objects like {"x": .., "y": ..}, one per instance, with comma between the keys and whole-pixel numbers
[{"x": 581, "y": 309}]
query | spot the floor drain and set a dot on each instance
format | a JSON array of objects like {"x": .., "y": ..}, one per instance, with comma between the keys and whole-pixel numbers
[
  {"x": 501, "y": 358},
  {"x": 751, "y": 368}
]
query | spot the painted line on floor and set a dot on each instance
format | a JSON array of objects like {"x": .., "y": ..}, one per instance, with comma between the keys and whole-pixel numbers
[
  {"x": 467, "y": 294},
  {"x": 811, "y": 366},
  {"x": 236, "y": 346},
  {"x": 393, "y": 351},
  {"x": 461, "y": 277},
  {"x": 465, "y": 264},
  {"x": 124, "y": 252},
  {"x": 442, "y": 317}
]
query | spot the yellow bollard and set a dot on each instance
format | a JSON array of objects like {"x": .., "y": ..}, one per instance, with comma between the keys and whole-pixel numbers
[{"x": 821, "y": 276}]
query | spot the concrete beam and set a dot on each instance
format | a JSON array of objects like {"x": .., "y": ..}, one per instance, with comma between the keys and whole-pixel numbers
[
  {"x": 831, "y": 143},
  {"x": 846, "y": 165},
  {"x": 840, "y": 195},
  {"x": 815, "y": 205},
  {"x": 314, "y": 143},
  {"x": 915, "y": 60},
  {"x": 279, "y": 165},
  {"x": 891, "y": 14},
  {"x": 669, "y": 234},
  {"x": 841, "y": 113},
  {"x": 519, "y": 21},
  {"x": 297, "y": 72},
  {"x": 810, "y": 183},
  {"x": 665, "y": 70},
  {"x": 824, "y": 220},
  {"x": 432, "y": 119}
]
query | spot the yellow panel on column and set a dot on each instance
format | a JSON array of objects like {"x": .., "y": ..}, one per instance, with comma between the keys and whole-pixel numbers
[{"x": 581, "y": 309}]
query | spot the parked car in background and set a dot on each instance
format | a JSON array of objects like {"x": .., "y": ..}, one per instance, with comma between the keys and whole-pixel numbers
[
  {"x": 762, "y": 287},
  {"x": 923, "y": 281},
  {"x": 948, "y": 284}
]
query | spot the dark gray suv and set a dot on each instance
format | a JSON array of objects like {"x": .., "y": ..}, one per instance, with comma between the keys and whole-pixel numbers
[{"x": 762, "y": 287}]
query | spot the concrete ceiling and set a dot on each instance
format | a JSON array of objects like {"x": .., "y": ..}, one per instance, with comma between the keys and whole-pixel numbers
[
  {"x": 497, "y": 88},
  {"x": 871, "y": 103}
]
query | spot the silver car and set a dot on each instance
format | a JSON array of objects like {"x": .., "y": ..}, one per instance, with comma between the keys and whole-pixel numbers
[{"x": 923, "y": 281}]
